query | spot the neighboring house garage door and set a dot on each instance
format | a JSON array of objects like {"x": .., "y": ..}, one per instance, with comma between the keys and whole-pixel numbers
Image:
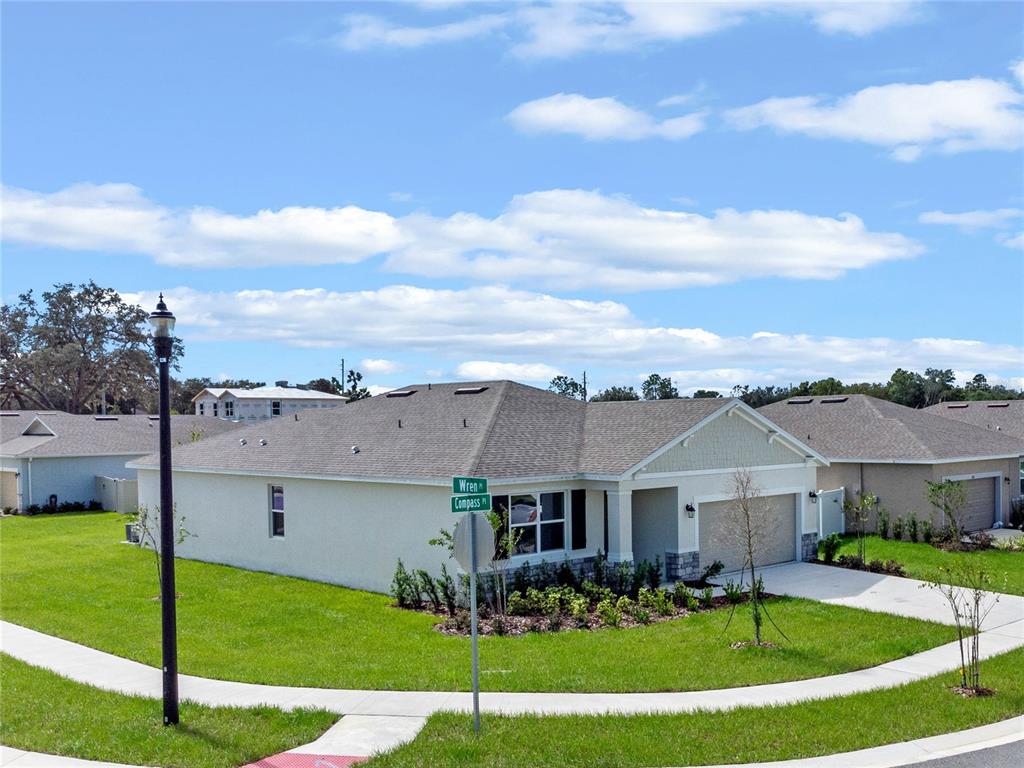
[
  {"x": 979, "y": 511},
  {"x": 8, "y": 489},
  {"x": 719, "y": 542}
]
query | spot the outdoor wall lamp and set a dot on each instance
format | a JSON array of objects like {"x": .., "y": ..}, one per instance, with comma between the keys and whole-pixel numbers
[
  {"x": 690, "y": 510},
  {"x": 813, "y": 497}
]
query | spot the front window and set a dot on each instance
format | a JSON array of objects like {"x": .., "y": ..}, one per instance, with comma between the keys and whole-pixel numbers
[
  {"x": 275, "y": 407},
  {"x": 277, "y": 510},
  {"x": 229, "y": 408},
  {"x": 536, "y": 521},
  {"x": 202, "y": 409},
  {"x": 214, "y": 409}
]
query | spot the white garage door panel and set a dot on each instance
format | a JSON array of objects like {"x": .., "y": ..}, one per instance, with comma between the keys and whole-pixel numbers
[
  {"x": 718, "y": 542},
  {"x": 979, "y": 511}
]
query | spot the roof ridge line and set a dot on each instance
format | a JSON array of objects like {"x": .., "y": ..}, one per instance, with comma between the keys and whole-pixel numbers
[{"x": 478, "y": 449}]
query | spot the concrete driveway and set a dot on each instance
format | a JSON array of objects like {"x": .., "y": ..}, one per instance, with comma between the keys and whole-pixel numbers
[{"x": 877, "y": 592}]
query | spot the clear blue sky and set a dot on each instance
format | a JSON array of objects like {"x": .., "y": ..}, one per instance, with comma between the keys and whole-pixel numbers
[{"x": 451, "y": 190}]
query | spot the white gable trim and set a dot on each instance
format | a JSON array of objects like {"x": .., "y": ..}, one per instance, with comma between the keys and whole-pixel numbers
[
  {"x": 38, "y": 428},
  {"x": 741, "y": 409}
]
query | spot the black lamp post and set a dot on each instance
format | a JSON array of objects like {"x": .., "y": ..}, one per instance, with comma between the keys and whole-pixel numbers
[{"x": 163, "y": 341}]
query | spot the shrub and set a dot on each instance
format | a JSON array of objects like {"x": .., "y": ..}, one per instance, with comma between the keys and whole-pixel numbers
[
  {"x": 926, "y": 531},
  {"x": 641, "y": 615},
  {"x": 657, "y": 600},
  {"x": 566, "y": 576},
  {"x": 95, "y": 506},
  {"x": 912, "y": 527},
  {"x": 683, "y": 597},
  {"x": 712, "y": 570},
  {"x": 897, "y": 529},
  {"x": 448, "y": 591},
  {"x": 707, "y": 597},
  {"x": 601, "y": 569},
  {"x": 608, "y": 613},
  {"x": 851, "y": 561},
  {"x": 625, "y": 606},
  {"x": 883, "y": 524},
  {"x": 876, "y": 566},
  {"x": 1010, "y": 545},
  {"x": 733, "y": 592},
  {"x": 517, "y": 604},
  {"x": 404, "y": 589},
  {"x": 981, "y": 540},
  {"x": 1017, "y": 512},
  {"x": 579, "y": 610},
  {"x": 426, "y": 586},
  {"x": 830, "y": 546},
  {"x": 894, "y": 568},
  {"x": 32, "y": 509},
  {"x": 498, "y": 624}
]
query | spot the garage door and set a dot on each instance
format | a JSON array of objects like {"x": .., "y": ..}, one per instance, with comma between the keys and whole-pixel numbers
[
  {"x": 719, "y": 542},
  {"x": 980, "y": 509},
  {"x": 8, "y": 490}
]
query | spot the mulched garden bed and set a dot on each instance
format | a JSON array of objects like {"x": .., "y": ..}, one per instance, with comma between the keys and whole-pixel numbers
[{"x": 516, "y": 626}]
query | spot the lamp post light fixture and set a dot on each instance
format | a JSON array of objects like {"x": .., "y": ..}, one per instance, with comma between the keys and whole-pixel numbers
[{"x": 162, "y": 321}]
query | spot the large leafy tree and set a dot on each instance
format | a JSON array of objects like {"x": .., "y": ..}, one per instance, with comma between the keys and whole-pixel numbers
[
  {"x": 77, "y": 346},
  {"x": 615, "y": 393},
  {"x": 906, "y": 388},
  {"x": 568, "y": 387},
  {"x": 658, "y": 387}
]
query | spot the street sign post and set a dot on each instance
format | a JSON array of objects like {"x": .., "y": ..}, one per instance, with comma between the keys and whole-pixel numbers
[
  {"x": 474, "y": 547},
  {"x": 477, "y": 502}
]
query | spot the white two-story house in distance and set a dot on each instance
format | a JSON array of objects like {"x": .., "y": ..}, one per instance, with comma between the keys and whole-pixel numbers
[{"x": 260, "y": 403}]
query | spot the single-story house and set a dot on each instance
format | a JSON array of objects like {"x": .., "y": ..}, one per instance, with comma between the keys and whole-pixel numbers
[
  {"x": 338, "y": 495},
  {"x": 261, "y": 403},
  {"x": 51, "y": 454},
  {"x": 1003, "y": 416},
  {"x": 892, "y": 451}
]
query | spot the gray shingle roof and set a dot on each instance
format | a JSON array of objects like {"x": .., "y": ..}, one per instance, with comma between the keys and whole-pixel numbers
[
  {"x": 863, "y": 427},
  {"x": 509, "y": 430},
  {"x": 1003, "y": 416},
  {"x": 85, "y": 435}
]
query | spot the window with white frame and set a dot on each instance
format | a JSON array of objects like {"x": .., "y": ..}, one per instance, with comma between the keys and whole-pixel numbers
[
  {"x": 275, "y": 407},
  {"x": 214, "y": 409},
  {"x": 277, "y": 511},
  {"x": 536, "y": 521},
  {"x": 229, "y": 407},
  {"x": 202, "y": 409}
]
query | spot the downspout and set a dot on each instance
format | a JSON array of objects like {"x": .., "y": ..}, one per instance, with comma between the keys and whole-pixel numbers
[{"x": 30, "y": 482}]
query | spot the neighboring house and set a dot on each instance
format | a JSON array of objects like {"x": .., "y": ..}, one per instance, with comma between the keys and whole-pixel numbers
[
  {"x": 46, "y": 454},
  {"x": 261, "y": 403},
  {"x": 1003, "y": 416},
  {"x": 339, "y": 495},
  {"x": 892, "y": 451}
]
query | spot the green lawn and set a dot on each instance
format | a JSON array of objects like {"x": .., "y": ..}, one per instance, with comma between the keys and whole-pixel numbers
[
  {"x": 67, "y": 575},
  {"x": 43, "y": 712},
  {"x": 923, "y": 561},
  {"x": 924, "y": 708}
]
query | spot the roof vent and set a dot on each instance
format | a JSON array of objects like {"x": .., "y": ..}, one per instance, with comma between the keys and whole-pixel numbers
[
  {"x": 8, "y": 414},
  {"x": 998, "y": 405},
  {"x": 470, "y": 390},
  {"x": 154, "y": 418},
  {"x": 957, "y": 405},
  {"x": 242, "y": 441},
  {"x": 800, "y": 400},
  {"x": 834, "y": 399},
  {"x": 263, "y": 441},
  {"x": 355, "y": 449},
  {"x": 105, "y": 418},
  {"x": 400, "y": 393}
]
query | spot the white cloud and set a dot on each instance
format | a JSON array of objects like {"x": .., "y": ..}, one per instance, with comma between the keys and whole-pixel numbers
[
  {"x": 599, "y": 119},
  {"x": 570, "y": 239},
  {"x": 483, "y": 370},
  {"x": 1017, "y": 68},
  {"x": 1016, "y": 241},
  {"x": 567, "y": 239},
  {"x": 363, "y": 31},
  {"x": 534, "y": 329},
  {"x": 379, "y": 366},
  {"x": 972, "y": 220},
  {"x": 561, "y": 29},
  {"x": 947, "y": 116}
]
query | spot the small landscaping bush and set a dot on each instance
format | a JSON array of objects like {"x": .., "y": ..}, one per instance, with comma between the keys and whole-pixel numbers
[
  {"x": 829, "y": 546},
  {"x": 712, "y": 571},
  {"x": 609, "y": 614},
  {"x": 897, "y": 529},
  {"x": 1017, "y": 512},
  {"x": 733, "y": 592},
  {"x": 707, "y": 599},
  {"x": 883, "y": 524},
  {"x": 926, "y": 531},
  {"x": 912, "y": 527}
]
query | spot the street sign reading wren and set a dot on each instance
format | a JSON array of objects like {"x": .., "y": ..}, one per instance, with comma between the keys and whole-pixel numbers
[{"x": 469, "y": 485}]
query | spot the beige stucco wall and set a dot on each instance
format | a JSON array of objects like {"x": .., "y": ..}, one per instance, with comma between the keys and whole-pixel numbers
[
  {"x": 902, "y": 488},
  {"x": 727, "y": 441}
]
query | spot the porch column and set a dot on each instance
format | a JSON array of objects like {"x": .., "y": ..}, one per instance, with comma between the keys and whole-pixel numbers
[{"x": 620, "y": 526}]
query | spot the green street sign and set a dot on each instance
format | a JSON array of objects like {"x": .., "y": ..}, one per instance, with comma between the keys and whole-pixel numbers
[
  {"x": 469, "y": 485},
  {"x": 477, "y": 502}
]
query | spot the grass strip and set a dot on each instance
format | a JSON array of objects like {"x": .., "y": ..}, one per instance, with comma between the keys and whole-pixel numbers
[
  {"x": 44, "y": 712},
  {"x": 919, "y": 709}
]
